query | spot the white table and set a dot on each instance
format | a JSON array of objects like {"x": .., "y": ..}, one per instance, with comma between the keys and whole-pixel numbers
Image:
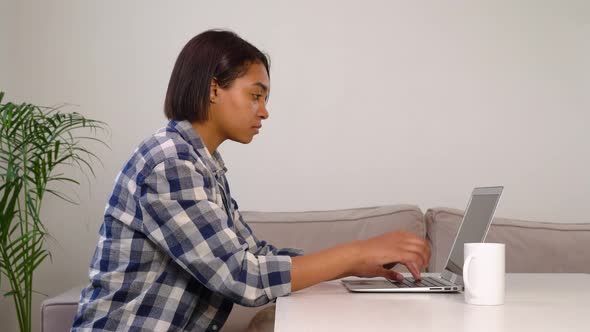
[{"x": 534, "y": 302}]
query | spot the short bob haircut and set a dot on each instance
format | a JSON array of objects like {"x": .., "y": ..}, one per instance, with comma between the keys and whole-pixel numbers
[{"x": 214, "y": 54}]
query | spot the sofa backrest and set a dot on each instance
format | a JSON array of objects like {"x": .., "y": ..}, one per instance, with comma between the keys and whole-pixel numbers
[
  {"x": 316, "y": 230},
  {"x": 535, "y": 247}
]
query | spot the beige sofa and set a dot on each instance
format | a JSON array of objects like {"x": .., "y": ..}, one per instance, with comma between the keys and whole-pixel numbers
[{"x": 530, "y": 246}]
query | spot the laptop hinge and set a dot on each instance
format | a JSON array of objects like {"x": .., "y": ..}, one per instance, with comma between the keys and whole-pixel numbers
[{"x": 452, "y": 277}]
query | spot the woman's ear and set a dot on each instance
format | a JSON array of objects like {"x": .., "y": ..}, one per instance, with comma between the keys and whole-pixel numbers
[{"x": 213, "y": 91}]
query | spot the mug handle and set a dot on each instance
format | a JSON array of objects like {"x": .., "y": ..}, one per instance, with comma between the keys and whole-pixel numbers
[{"x": 466, "y": 266}]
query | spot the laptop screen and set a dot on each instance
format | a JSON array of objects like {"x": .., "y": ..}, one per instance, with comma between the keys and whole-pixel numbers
[{"x": 473, "y": 228}]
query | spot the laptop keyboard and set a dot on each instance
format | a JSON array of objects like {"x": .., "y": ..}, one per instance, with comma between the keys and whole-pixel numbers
[{"x": 424, "y": 282}]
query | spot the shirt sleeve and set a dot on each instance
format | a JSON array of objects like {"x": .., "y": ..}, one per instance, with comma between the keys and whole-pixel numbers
[
  {"x": 195, "y": 233},
  {"x": 265, "y": 248}
]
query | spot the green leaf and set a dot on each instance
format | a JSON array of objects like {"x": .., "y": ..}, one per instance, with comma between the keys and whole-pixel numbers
[
  {"x": 56, "y": 149},
  {"x": 11, "y": 192},
  {"x": 61, "y": 196}
]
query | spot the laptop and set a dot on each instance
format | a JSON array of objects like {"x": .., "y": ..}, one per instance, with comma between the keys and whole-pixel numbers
[{"x": 474, "y": 228}]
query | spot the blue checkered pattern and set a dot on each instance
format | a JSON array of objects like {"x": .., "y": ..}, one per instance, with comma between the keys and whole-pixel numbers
[{"x": 174, "y": 253}]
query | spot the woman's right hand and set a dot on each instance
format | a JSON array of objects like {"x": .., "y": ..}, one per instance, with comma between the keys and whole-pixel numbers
[{"x": 377, "y": 254}]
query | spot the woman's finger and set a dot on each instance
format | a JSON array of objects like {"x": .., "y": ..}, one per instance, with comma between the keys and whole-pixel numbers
[
  {"x": 414, "y": 254},
  {"x": 414, "y": 270},
  {"x": 392, "y": 275}
]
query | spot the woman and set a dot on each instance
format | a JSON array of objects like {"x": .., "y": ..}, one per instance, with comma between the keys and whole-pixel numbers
[{"x": 174, "y": 252}]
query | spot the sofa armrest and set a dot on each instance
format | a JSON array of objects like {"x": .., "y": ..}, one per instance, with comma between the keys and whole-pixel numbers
[{"x": 57, "y": 313}]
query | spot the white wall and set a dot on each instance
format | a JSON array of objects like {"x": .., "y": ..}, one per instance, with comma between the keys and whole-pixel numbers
[
  {"x": 8, "y": 48},
  {"x": 372, "y": 102}
]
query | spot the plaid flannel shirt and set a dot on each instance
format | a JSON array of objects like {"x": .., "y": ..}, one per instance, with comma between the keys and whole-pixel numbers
[{"x": 174, "y": 252}]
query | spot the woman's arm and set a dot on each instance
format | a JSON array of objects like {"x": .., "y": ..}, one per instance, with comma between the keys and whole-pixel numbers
[
  {"x": 365, "y": 258},
  {"x": 325, "y": 265}
]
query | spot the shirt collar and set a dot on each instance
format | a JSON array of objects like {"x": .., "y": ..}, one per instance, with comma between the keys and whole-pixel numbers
[{"x": 213, "y": 162}]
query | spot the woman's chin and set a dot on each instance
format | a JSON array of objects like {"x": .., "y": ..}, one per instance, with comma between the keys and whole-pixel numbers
[{"x": 244, "y": 139}]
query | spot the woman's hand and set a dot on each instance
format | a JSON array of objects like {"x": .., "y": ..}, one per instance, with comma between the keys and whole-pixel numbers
[{"x": 377, "y": 255}]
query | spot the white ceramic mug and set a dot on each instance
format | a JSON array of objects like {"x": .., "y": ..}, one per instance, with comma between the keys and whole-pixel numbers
[{"x": 484, "y": 273}]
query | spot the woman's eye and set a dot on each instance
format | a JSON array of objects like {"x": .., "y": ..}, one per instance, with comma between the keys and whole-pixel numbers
[{"x": 256, "y": 96}]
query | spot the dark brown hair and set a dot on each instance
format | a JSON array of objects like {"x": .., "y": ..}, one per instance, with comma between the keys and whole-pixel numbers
[{"x": 214, "y": 54}]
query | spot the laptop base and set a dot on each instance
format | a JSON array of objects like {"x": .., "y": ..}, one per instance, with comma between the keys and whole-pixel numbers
[{"x": 381, "y": 285}]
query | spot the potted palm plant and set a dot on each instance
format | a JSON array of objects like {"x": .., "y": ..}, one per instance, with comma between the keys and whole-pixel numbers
[{"x": 35, "y": 142}]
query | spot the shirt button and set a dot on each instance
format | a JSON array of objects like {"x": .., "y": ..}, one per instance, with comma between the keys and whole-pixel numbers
[{"x": 214, "y": 327}]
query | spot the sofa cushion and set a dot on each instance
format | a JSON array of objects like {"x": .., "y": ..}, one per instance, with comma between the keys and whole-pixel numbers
[
  {"x": 316, "y": 230},
  {"x": 531, "y": 246}
]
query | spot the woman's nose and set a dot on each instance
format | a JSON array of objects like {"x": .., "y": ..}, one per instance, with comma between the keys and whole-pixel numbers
[{"x": 263, "y": 112}]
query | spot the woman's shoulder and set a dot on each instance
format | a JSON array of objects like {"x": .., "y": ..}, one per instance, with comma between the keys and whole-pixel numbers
[{"x": 161, "y": 146}]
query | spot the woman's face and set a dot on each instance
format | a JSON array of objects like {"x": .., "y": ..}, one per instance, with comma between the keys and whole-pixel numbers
[{"x": 237, "y": 112}]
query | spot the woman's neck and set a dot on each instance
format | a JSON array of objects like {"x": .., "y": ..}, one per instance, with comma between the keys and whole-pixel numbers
[{"x": 210, "y": 136}]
